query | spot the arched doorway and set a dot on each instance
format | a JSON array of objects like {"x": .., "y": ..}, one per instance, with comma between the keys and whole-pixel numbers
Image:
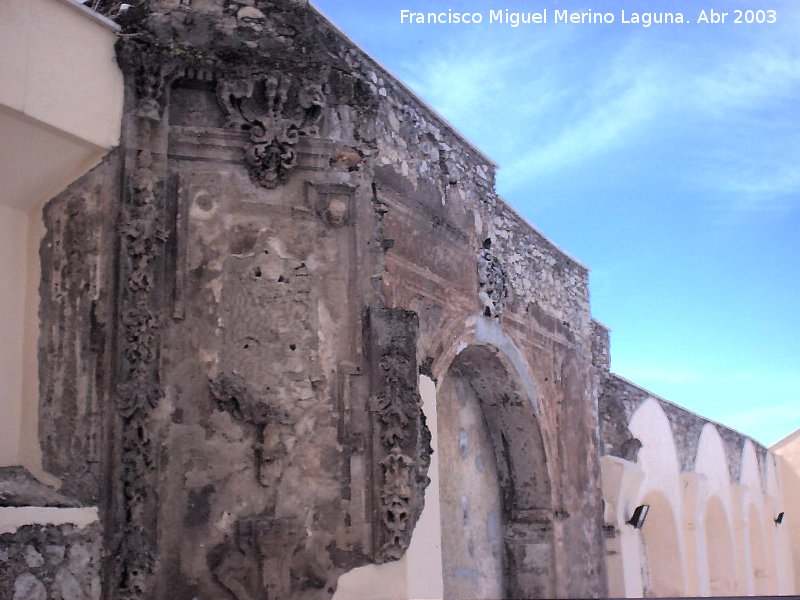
[
  {"x": 719, "y": 543},
  {"x": 497, "y": 535},
  {"x": 663, "y": 571}
]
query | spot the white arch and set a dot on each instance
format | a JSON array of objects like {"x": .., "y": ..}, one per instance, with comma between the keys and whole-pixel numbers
[
  {"x": 750, "y": 474},
  {"x": 658, "y": 458},
  {"x": 720, "y": 564},
  {"x": 661, "y": 537},
  {"x": 712, "y": 462}
]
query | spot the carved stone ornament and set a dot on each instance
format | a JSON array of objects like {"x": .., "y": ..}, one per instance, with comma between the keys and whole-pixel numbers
[
  {"x": 277, "y": 110},
  {"x": 403, "y": 443},
  {"x": 492, "y": 282},
  {"x": 139, "y": 389}
]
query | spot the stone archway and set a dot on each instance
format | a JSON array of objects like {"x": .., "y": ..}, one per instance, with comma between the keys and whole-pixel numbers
[{"x": 497, "y": 531}]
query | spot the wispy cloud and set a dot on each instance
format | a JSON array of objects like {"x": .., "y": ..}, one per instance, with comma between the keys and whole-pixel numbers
[
  {"x": 752, "y": 95},
  {"x": 613, "y": 114},
  {"x": 562, "y": 120},
  {"x": 469, "y": 80},
  {"x": 639, "y": 91},
  {"x": 769, "y": 422}
]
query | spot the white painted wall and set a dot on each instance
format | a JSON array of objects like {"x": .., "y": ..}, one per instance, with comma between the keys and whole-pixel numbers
[
  {"x": 20, "y": 235},
  {"x": 787, "y": 452},
  {"x": 58, "y": 67},
  {"x": 424, "y": 555},
  {"x": 14, "y": 517},
  {"x": 781, "y": 544},
  {"x": 13, "y": 274}
]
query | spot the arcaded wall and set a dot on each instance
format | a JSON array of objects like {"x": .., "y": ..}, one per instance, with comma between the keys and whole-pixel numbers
[{"x": 720, "y": 489}]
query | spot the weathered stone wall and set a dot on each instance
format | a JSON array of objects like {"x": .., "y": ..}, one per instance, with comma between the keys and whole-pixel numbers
[
  {"x": 76, "y": 296},
  {"x": 457, "y": 252},
  {"x": 38, "y": 562},
  {"x": 245, "y": 295}
]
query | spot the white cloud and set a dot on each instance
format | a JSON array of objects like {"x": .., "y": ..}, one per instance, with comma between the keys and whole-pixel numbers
[
  {"x": 549, "y": 103},
  {"x": 768, "y": 423}
]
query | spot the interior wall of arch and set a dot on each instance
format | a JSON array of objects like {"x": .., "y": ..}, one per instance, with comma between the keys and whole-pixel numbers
[
  {"x": 498, "y": 542},
  {"x": 661, "y": 544},
  {"x": 722, "y": 572}
]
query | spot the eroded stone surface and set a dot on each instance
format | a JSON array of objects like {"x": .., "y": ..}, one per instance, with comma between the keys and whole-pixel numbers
[
  {"x": 32, "y": 565},
  {"x": 241, "y": 298}
]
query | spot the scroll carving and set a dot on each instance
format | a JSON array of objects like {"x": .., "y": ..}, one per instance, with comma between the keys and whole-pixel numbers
[
  {"x": 277, "y": 110},
  {"x": 142, "y": 230},
  {"x": 139, "y": 391},
  {"x": 492, "y": 282},
  {"x": 403, "y": 437}
]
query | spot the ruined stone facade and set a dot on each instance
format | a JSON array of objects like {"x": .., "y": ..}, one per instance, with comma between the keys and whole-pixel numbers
[
  {"x": 238, "y": 307},
  {"x": 237, "y": 303}
]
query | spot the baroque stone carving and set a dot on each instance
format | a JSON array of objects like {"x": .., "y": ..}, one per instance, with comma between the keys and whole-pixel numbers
[
  {"x": 333, "y": 204},
  {"x": 403, "y": 436},
  {"x": 492, "y": 282},
  {"x": 143, "y": 235},
  {"x": 277, "y": 110}
]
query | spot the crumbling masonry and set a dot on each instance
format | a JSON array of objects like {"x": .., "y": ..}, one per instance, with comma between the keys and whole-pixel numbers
[{"x": 237, "y": 306}]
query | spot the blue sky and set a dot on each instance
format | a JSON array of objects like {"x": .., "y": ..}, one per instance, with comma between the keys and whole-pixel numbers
[{"x": 667, "y": 159}]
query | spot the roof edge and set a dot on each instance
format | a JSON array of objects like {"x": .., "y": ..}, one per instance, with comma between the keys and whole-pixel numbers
[
  {"x": 658, "y": 398},
  {"x": 546, "y": 238},
  {"x": 92, "y": 14},
  {"x": 785, "y": 441},
  {"x": 402, "y": 85}
]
